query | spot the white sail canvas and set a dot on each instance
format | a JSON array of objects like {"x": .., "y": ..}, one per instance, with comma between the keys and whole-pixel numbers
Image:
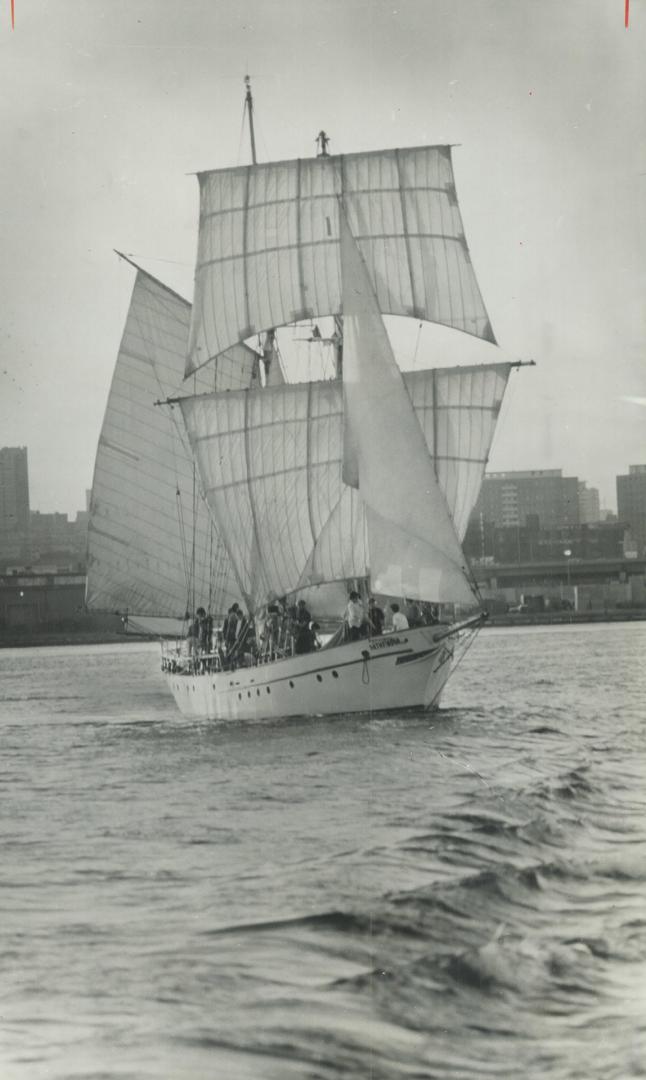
[
  {"x": 268, "y": 250},
  {"x": 413, "y": 546}
]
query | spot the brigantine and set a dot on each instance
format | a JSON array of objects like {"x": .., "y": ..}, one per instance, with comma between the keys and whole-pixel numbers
[{"x": 250, "y": 487}]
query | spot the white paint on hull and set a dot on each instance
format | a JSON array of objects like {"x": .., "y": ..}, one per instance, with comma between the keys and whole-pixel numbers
[{"x": 402, "y": 670}]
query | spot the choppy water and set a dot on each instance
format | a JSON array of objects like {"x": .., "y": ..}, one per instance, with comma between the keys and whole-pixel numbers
[{"x": 451, "y": 897}]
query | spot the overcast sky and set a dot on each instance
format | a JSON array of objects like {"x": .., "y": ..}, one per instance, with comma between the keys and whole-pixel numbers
[{"x": 106, "y": 108}]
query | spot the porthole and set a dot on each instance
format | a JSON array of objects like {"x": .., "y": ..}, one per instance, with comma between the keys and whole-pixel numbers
[
  {"x": 239, "y": 697},
  {"x": 335, "y": 674},
  {"x": 258, "y": 692},
  {"x": 269, "y": 690},
  {"x": 248, "y": 693},
  {"x": 291, "y": 684},
  {"x": 319, "y": 678}
]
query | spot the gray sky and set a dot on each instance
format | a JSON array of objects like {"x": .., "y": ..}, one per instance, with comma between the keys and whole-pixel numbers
[{"x": 106, "y": 108}]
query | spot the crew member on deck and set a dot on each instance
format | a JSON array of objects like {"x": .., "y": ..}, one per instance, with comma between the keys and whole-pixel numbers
[
  {"x": 354, "y": 617},
  {"x": 400, "y": 622},
  {"x": 206, "y": 632},
  {"x": 376, "y": 617},
  {"x": 231, "y": 626},
  {"x": 413, "y": 613},
  {"x": 430, "y": 614},
  {"x": 305, "y": 639},
  {"x": 195, "y": 630},
  {"x": 302, "y": 614},
  {"x": 271, "y": 630}
]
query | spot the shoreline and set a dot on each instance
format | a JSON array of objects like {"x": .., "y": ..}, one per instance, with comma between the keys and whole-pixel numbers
[
  {"x": 61, "y": 637},
  {"x": 561, "y": 618},
  {"x": 45, "y": 638}
]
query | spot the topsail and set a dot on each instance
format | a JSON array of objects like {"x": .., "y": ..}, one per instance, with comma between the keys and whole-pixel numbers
[{"x": 269, "y": 255}]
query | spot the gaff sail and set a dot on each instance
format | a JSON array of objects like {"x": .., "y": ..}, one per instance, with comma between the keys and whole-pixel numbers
[{"x": 151, "y": 542}]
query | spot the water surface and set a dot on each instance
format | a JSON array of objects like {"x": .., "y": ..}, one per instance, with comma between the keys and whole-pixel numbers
[{"x": 452, "y": 896}]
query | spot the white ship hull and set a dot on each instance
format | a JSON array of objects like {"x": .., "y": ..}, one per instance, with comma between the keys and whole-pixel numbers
[{"x": 397, "y": 671}]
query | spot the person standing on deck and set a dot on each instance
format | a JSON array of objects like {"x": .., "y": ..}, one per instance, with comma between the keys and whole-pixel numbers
[
  {"x": 194, "y": 636},
  {"x": 354, "y": 616},
  {"x": 230, "y": 627},
  {"x": 413, "y": 613},
  {"x": 303, "y": 616},
  {"x": 272, "y": 630},
  {"x": 305, "y": 639},
  {"x": 376, "y": 617},
  {"x": 206, "y": 632}
]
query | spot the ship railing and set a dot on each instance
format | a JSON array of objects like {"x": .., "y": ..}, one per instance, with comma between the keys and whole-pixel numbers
[
  {"x": 276, "y": 647},
  {"x": 178, "y": 659}
]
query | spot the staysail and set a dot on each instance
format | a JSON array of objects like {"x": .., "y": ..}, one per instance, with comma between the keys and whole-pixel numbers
[
  {"x": 151, "y": 544},
  {"x": 268, "y": 252},
  {"x": 414, "y": 548}
]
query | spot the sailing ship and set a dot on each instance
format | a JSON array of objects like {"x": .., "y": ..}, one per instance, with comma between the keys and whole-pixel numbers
[{"x": 220, "y": 478}]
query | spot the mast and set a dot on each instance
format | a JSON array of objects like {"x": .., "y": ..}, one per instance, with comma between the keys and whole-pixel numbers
[{"x": 248, "y": 102}]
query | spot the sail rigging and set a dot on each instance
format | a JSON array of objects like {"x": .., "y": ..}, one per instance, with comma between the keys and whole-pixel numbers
[
  {"x": 271, "y": 468},
  {"x": 268, "y": 249},
  {"x": 305, "y": 483},
  {"x": 263, "y": 481},
  {"x": 150, "y": 544}
]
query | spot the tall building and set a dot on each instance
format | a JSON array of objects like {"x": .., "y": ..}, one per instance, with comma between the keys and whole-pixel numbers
[
  {"x": 589, "y": 505},
  {"x": 542, "y": 498},
  {"x": 49, "y": 533},
  {"x": 631, "y": 504},
  {"x": 14, "y": 503}
]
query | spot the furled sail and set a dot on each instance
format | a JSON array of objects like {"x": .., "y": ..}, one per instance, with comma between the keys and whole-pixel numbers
[
  {"x": 413, "y": 544},
  {"x": 271, "y": 467},
  {"x": 147, "y": 520},
  {"x": 268, "y": 252}
]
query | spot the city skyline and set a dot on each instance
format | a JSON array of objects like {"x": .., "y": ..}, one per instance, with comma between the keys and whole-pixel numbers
[
  {"x": 490, "y": 473},
  {"x": 521, "y": 516},
  {"x": 104, "y": 117}
]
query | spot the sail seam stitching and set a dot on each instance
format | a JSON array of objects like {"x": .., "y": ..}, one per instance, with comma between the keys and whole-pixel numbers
[
  {"x": 299, "y": 235},
  {"x": 409, "y": 263},
  {"x": 327, "y": 241},
  {"x": 325, "y": 195}
]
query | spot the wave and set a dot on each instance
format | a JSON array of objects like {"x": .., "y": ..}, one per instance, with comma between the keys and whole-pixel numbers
[
  {"x": 570, "y": 785},
  {"x": 613, "y": 867},
  {"x": 337, "y": 921}
]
